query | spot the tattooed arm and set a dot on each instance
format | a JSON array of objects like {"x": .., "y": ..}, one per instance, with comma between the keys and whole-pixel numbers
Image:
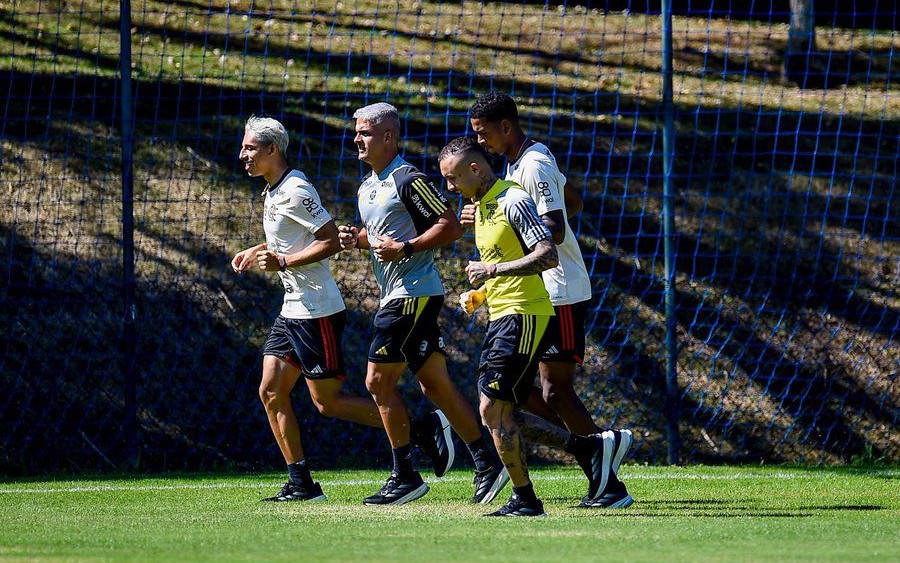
[
  {"x": 522, "y": 215},
  {"x": 543, "y": 256}
]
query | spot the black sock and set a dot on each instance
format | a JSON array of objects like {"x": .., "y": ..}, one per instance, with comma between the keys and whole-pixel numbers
[
  {"x": 526, "y": 493},
  {"x": 403, "y": 464},
  {"x": 299, "y": 473},
  {"x": 481, "y": 454},
  {"x": 416, "y": 431}
]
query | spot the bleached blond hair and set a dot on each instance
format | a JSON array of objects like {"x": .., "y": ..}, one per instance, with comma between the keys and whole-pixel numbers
[{"x": 269, "y": 132}]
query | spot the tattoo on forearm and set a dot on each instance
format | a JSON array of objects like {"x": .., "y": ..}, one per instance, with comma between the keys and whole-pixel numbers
[{"x": 543, "y": 257}]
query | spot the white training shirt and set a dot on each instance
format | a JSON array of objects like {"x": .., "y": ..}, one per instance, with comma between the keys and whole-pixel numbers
[
  {"x": 537, "y": 172},
  {"x": 293, "y": 213}
]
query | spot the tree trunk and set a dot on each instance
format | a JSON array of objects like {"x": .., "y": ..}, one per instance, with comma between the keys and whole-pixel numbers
[{"x": 800, "y": 60}]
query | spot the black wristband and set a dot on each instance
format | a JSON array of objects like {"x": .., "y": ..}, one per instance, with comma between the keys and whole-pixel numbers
[{"x": 408, "y": 249}]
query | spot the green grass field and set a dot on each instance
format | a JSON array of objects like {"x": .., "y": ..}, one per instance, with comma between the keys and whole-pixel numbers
[{"x": 680, "y": 514}]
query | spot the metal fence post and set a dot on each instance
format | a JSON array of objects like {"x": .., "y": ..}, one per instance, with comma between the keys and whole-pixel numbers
[
  {"x": 672, "y": 394},
  {"x": 129, "y": 331}
]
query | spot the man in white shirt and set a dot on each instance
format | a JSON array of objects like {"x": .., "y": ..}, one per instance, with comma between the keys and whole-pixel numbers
[
  {"x": 494, "y": 118},
  {"x": 305, "y": 339}
]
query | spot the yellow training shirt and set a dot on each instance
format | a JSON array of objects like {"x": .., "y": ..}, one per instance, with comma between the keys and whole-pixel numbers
[{"x": 507, "y": 226}]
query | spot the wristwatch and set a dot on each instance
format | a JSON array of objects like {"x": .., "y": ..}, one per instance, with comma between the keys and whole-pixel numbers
[{"x": 408, "y": 249}]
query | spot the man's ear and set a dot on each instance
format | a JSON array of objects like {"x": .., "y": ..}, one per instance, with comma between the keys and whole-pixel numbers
[
  {"x": 388, "y": 136},
  {"x": 506, "y": 126}
]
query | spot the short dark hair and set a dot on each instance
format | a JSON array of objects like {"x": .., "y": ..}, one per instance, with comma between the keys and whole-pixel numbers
[
  {"x": 463, "y": 146},
  {"x": 494, "y": 107}
]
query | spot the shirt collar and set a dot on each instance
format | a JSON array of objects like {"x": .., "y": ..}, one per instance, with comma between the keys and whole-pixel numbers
[
  {"x": 498, "y": 187},
  {"x": 394, "y": 164},
  {"x": 269, "y": 188}
]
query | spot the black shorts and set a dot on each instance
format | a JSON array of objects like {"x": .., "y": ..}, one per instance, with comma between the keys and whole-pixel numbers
[
  {"x": 312, "y": 345},
  {"x": 406, "y": 330},
  {"x": 566, "y": 344},
  {"x": 510, "y": 355}
]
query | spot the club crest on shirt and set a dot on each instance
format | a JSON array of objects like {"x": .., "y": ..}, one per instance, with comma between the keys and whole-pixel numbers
[{"x": 489, "y": 212}]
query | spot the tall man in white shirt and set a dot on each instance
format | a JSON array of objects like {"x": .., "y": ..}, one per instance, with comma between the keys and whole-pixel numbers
[{"x": 494, "y": 118}]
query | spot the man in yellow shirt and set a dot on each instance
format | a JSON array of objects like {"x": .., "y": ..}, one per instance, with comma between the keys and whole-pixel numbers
[{"x": 515, "y": 247}]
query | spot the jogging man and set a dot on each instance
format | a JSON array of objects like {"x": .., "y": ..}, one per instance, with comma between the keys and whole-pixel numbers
[
  {"x": 514, "y": 247},
  {"x": 306, "y": 337},
  {"x": 494, "y": 118},
  {"x": 405, "y": 217}
]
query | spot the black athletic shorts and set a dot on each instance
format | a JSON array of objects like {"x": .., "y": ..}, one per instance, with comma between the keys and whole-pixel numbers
[
  {"x": 567, "y": 343},
  {"x": 406, "y": 330},
  {"x": 510, "y": 355},
  {"x": 312, "y": 345}
]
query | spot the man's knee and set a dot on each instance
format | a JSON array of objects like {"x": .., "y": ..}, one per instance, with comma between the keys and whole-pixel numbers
[
  {"x": 269, "y": 396},
  {"x": 374, "y": 382},
  {"x": 556, "y": 382},
  {"x": 551, "y": 393},
  {"x": 328, "y": 406},
  {"x": 491, "y": 413},
  {"x": 379, "y": 383}
]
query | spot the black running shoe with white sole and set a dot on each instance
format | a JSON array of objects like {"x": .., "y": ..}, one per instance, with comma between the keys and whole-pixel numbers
[
  {"x": 615, "y": 496},
  {"x": 399, "y": 490},
  {"x": 432, "y": 434},
  {"x": 624, "y": 439},
  {"x": 488, "y": 483},
  {"x": 595, "y": 459},
  {"x": 290, "y": 492},
  {"x": 517, "y": 506}
]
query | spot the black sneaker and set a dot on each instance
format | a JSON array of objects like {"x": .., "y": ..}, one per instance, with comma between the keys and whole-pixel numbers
[
  {"x": 519, "y": 507},
  {"x": 488, "y": 483},
  {"x": 399, "y": 490},
  {"x": 290, "y": 491},
  {"x": 615, "y": 496},
  {"x": 596, "y": 461},
  {"x": 624, "y": 439},
  {"x": 432, "y": 434}
]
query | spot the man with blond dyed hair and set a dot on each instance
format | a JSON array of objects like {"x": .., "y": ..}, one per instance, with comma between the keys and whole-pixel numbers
[{"x": 305, "y": 339}]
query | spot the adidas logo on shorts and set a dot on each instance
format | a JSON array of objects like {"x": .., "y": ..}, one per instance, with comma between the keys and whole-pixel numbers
[
  {"x": 553, "y": 350},
  {"x": 317, "y": 369}
]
